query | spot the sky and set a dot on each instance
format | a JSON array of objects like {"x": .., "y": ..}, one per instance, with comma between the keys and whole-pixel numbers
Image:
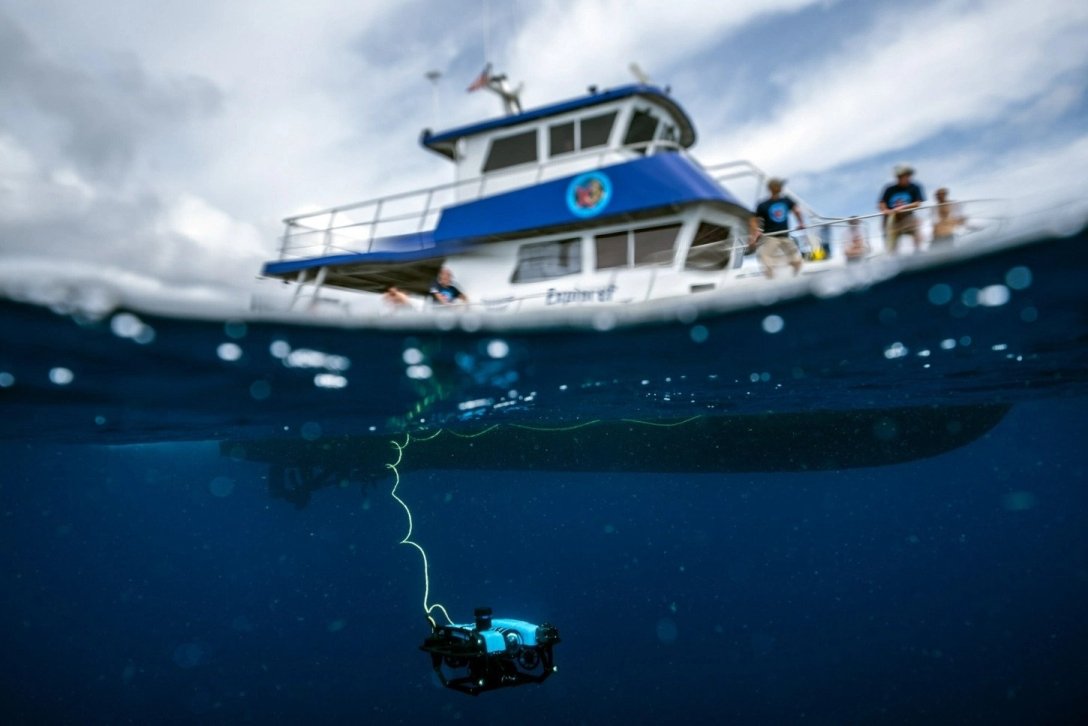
[{"x": 149, "y": 151}]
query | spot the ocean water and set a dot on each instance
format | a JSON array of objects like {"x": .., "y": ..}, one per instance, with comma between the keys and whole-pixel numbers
[{"x": 867, "y": 507}]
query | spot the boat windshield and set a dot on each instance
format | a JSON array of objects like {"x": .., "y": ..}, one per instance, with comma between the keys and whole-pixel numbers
[
  {"x": 511, "y": 150},
  {"x": 710, "y": 249},
  {"x": 641, "y": 130}
]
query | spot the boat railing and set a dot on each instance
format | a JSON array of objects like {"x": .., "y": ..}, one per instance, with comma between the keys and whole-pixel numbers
[
  {"x": 365, "y": 226},
  {"x": 979, "y": 218},
  {"x": 827, "y": 237},
  {"x": 748, "y": 181}
]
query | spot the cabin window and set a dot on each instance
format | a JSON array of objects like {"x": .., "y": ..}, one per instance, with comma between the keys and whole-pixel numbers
[
  {"x": 561, "y": 139},
  {"x": 511, "y": 150},
  {"x": 597, "y": 129},
  {"x": 654, "y": 246},
  {"x": 647, "y": 247},
  {"x": 586, "y": 133},
  {"x": 546, "y": 260},
  {"x": 642, "y": 129},
  {"x": 710, "y": 249},
  {"x": 611, "y": 250}
]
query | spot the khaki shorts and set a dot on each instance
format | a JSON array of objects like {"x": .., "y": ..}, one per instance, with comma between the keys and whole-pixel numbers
[
  {"x": 899, "y": 225},
  {"x": 773, "y": 249}
]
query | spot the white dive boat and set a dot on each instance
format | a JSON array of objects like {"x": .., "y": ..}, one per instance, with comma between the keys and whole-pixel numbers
[{"x": 591, "y": 202}]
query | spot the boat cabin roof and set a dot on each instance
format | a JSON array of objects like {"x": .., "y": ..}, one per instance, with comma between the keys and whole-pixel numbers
[{"x": 445, "y": 143}]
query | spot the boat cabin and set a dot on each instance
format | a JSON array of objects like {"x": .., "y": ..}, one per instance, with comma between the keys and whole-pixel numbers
[
  {"x": 601, "y": 128},
  {"x": 588, "y": 201}
]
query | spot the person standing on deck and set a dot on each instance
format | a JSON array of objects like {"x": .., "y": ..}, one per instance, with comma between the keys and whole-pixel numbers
[
  {"x": 947, "y": 218},
  {"x": 898, "y": 203},
  {"x": 768, "y": 227},
  {"x": 855, "y": 245}
]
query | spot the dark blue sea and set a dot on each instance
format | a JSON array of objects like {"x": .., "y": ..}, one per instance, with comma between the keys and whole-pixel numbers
[{"x": 862, "y": 508}]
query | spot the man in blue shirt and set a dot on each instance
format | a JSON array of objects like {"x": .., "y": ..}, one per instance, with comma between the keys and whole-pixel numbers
[
  {"x": 768, "y": 229},
  {"x": 443, "y": 291},
  {"x": 898, "y": 203}
]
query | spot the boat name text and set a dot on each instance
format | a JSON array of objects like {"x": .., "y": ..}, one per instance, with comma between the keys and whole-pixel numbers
[{"x": 562, "y": 297}]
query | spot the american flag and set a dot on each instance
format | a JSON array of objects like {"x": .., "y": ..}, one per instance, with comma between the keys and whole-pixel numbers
[{"x": 481, "y": 80}]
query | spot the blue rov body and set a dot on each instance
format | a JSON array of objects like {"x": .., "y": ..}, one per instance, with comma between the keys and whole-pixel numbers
[{"x": 490, "y": 654}]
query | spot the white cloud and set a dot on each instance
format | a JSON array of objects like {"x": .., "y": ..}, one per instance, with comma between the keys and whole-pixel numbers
[
  {"x": 94, "y": 289},
  {"x": 567, "y": 46},
  {"x": 28, "y": 192},
  {"x": 912, "y": 76},
  {"x": 16, "y": 162},
  {"x": 1031, "y": 177}
]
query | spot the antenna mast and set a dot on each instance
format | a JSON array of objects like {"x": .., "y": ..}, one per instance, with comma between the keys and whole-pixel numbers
[
  {"x": 487, "y": 31},
  {"x": 433, "y": 77}
]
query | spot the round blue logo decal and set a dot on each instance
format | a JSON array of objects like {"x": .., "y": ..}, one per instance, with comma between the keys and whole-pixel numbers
[
  {"x": 899, "y": 198},
  {"x": 588, "y": 194},
  {"x": 778, "y": 212}
]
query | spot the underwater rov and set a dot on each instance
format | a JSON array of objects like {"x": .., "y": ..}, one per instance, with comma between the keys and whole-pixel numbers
[{"x": 491, "y": 654}]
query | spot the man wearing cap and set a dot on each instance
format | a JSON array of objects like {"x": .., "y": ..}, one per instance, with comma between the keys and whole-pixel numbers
[
  {"x": 898, "y": 203},
  {"x": 767, "y": 229}
]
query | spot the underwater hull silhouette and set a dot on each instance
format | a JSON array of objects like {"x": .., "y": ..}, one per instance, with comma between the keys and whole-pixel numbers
[{"x": 780, "y": 442}]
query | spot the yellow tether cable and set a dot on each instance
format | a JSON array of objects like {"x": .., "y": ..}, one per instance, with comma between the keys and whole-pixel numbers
[
  {"x": 427, "y": 608},
  {"x": 408, "y": 536}
]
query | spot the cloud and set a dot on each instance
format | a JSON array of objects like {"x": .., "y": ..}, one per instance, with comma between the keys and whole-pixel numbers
[
  {"x": 95, "y": 289},
  {"x": 100, "y": 121},
  {"x": 565, "y": 46},
  {"x": 908, "y": 78},
  {"x": 78, "y": 178}
]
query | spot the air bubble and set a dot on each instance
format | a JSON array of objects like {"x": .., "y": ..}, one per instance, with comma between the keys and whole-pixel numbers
[
  {"x": 994, "y": 296},
  {"x": 940, "y": 294},
  {"x": 773, "y": 324},
  {"x": 229, "y": 352},
  {"x": 221, "y": 486},
  {"x": 419, "y": 372},
  {"x": 895, "y": 350},
  {"x": 260, "y": 390},
  {"x": 311, "y": 431},
  {"x": 235, "y": 329},
  {"x": 1018, "y": 278}
]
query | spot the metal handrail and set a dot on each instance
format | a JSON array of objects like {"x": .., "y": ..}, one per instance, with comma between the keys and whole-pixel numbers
[
  {"x": 296, "y": 225},
  {"x": 598, "y": 152},
  {"x": 989, "y": 221}
]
